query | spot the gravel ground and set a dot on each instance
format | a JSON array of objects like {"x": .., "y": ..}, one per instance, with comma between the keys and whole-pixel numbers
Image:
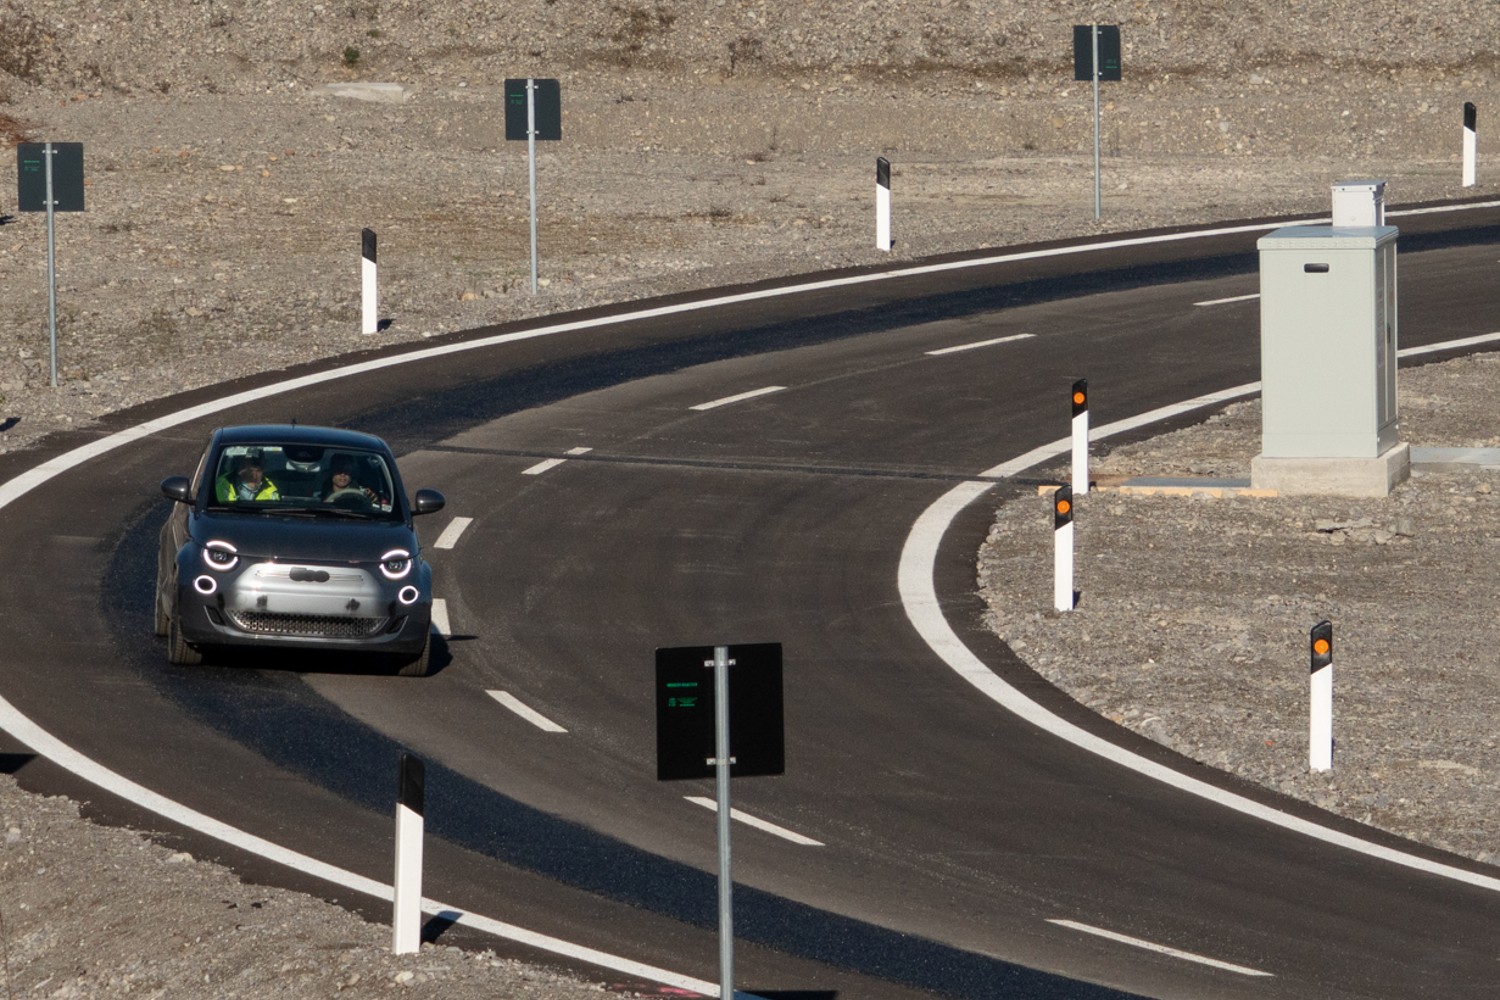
[
  {"x": 714, "y": 143},
  {"x": 1193, "y": 624}
]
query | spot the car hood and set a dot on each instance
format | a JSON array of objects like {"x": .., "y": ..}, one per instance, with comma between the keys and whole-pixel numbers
[{"x": 296, "y": 539}]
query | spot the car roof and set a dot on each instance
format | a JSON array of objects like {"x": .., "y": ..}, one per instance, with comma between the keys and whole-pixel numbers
[{"x": 336, "y": 437}]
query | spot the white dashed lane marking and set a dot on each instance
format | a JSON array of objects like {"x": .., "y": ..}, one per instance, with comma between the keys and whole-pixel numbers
[
  {"x": 759, "y": 824},
  {"x": 1160, "y": 949},
  {"x": 1225, "y": 302},
  {"x": 440, "y": 617},
  {"x": 552, "y": 463},
  {"x": 531, "y": 715},
  {"x": 714, "y": 404},
  {"x": 449, "y": 537},
  {"x": 980, "y": 343}
]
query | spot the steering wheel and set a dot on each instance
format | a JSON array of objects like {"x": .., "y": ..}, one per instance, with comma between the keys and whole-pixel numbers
[{"x": 350, "y": 496}]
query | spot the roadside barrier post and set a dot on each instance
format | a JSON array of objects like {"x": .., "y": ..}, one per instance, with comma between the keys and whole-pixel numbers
[
  {"x": 406, "y": 917},
  {"x": 882, "y": 204},
  {"x": 1062, "y": 549},
  {"x": 1471, "y": 142},
  {"x": 370, "y": 309},
  {"x": 1081, "y": 437},
  {"x": 1320, "y": 734}
]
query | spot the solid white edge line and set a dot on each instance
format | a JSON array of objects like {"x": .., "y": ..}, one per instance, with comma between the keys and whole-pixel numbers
[
  {"x": 440, "y": 618},
  {"x": 526, "y": 712},
  {"x": 919, "y": 598},
  {"x": 975, "y": 346},
  {"x": 18, "y": 724},
  {"x": 741, "y": 397},
  {"x": 451, "y": 533},
  {"x": 764, "y": 826},
  {"x": 1160, "y": 949},
  {"x": 1225, "y": 302},
  {"x": 44, "y": 743}
]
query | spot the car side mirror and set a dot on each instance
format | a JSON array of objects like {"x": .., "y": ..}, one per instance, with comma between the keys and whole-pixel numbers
[
  {"x": 177, "y": 488},
  {"x": 428, "y": 502}
]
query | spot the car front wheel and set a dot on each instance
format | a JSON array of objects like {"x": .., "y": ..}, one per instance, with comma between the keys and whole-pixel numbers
[
  {"x": 417, "y": 666},
  {"x": 178, "y": 649}
]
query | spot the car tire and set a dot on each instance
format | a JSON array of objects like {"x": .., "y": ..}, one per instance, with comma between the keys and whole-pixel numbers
[
  {"x": 178, "y": 649},
  {"x": 163, "y": 619},
  {"x": 417, "y": 666}
]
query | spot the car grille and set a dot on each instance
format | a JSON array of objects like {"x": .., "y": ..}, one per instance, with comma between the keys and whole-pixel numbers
[{"x": 310, "y": 626}]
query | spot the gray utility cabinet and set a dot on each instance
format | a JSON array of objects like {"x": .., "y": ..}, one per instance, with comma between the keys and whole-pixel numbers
[{"x": 1328, "y": 341}]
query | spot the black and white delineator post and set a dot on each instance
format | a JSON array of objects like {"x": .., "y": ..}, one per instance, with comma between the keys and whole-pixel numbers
[
  {"x": 368, "y": 283},
  {"x": 1471, "y": 142},
  {"x": 1062, "y": 550},
  {"x": 1081, "y": 437},
  {"x": 882, "y": 204},
  {"x": 406, "y": 914},
  {"x": 1320, "y": 729}
]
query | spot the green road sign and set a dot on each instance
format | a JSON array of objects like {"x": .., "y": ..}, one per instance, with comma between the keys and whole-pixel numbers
[
  {"x": 67, "y": 176},
  {"x": 548, "y": 100},
  {"x": 685, "y": 711},
  {"x": 1109, "y": 51}
]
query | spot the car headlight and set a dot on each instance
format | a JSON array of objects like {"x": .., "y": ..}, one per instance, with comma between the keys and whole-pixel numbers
[
  {"x": 221, "y": 556},
  {"x": 395, "y": 564}
]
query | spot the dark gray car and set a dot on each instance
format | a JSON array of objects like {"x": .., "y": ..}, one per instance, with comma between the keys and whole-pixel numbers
[{"x": 289, "y": 536}]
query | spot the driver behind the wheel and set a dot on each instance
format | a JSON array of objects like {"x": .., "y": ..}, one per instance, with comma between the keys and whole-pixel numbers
[{"x": 341, "y": 481}]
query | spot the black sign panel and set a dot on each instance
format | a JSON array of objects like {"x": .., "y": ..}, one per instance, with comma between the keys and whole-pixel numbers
[
  {"x": 685, "y": 711},
  {"x": 1083, "y": 51},
  {"x": 548, "y": 99},
  {"x": 67, "y": 176}
]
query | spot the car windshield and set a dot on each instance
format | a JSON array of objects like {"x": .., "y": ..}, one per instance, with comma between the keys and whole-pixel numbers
[{"x": 321, "y": 480}]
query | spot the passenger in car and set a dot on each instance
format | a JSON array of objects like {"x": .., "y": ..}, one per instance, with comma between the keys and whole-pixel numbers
[{"x": 246, "y": 481}]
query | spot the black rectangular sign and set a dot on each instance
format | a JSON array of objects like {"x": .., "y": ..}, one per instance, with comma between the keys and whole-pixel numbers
[
  {"x": 1083, "y": 52},
  {"x": 685, "y": 711},
  {"x": 548, "y": 99},
  {"x": 67, "y": 176}
]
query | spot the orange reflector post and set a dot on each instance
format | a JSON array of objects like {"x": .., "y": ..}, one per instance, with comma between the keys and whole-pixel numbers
[
  {"x": 1321, "y": 640},
  {"x": 1062, "y": 507}
]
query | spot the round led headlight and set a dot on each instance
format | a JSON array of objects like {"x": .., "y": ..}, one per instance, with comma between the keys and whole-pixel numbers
[
  {"x": 221, "y": 556},
  {"x": 395, "y": 564}
]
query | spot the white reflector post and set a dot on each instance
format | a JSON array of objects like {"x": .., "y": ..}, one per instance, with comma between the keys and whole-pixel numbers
[
  {"x": 1062, "y": 549},
  {"x": 882, "y": 204},
  {"x": 370, "y": 309},
  {"x": 1471, "y": 142},
  {"x": 1080, "y": 397},
  {"x": 406, "y": 917},
  {"x": 1320, "y": 730}
]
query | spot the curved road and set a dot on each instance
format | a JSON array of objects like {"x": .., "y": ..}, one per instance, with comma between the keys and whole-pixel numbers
[{"x": 740, "y": 472}]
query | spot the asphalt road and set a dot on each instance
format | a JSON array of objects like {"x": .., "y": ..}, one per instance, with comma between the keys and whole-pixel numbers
[{"x": 959, "y": 850}]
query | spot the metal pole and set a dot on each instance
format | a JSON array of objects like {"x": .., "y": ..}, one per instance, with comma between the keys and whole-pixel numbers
[
  {"x": 1096, "y": 121},
  {"x": 531, "y": 167},
  {"x": 51, "y": 264},
  {"x": 721, "y": 772}
]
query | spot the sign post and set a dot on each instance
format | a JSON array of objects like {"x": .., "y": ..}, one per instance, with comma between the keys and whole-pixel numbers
[
  {"x": 711, "y": 722},
  {"x": 1096, "y": 57},
  {"x": 533, "y": 110},
  {"x": 49, "y": 177}
]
